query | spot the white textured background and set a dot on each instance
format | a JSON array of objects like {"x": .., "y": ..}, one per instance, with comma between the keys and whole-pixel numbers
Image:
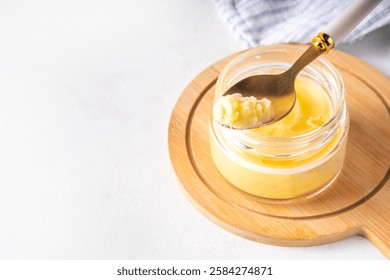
[{"x": 86, "y": 92}]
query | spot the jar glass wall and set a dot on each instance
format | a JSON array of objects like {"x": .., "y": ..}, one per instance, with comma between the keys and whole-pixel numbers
[{"x": 298, "y": 156}]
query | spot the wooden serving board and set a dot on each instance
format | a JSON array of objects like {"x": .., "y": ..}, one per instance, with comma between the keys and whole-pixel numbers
[{"x": 357, "y": 203}]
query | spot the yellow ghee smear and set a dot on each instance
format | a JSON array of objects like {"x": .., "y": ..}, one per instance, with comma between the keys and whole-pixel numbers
[
  {"x": 283, "y": 178},
  {"x": 311, "y": 110},
  {"x": 240, "y": 112}
]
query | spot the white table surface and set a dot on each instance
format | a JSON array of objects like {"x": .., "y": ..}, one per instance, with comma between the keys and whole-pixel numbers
[{"x": 86, "y": 92}]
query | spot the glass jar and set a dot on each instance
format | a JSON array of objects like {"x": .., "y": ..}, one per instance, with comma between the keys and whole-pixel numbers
[{"x": 281, "y": 168}]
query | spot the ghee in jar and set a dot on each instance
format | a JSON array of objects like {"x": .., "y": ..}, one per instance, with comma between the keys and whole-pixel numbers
[{"x": 295, "y": 157}]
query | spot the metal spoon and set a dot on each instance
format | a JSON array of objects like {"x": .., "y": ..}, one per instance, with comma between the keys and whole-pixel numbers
[{"x": 279, "y": 89}]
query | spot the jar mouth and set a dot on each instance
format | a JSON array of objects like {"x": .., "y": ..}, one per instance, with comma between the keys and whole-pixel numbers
[{"x": 321, "y": 71}]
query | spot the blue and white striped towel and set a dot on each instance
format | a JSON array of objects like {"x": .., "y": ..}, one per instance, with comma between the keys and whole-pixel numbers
[{"x": 265, "y": 22}]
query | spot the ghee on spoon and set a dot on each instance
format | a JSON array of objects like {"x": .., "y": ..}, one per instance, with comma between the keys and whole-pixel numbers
[{"x": 264, "y": 99}]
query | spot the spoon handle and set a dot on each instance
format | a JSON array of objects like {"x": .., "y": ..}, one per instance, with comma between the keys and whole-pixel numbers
[
  {"x": 340, "y": 27},
  {"x": 305, "y": 59}
]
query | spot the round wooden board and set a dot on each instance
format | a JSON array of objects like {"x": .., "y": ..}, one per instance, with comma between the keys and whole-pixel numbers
[{"x": 357, "y": 203}]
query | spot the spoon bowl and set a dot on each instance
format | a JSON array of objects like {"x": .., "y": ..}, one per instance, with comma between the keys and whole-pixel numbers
[{"x": 279, "y": 89}]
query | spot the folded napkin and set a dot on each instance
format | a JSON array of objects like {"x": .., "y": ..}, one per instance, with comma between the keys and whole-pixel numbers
[{"x": 265, "y": 22}]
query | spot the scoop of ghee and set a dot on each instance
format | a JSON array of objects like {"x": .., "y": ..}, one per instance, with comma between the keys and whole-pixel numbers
[{"x": 236, "y": 111}]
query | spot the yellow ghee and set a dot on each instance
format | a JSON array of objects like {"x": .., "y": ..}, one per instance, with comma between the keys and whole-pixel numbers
[
  {"x": 286, "y": 177},
  {"x": 311, "y": 110},
  {"x": 236, "y": 111}
]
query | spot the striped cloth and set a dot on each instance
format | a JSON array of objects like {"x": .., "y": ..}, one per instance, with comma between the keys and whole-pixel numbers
[{"x": 265, "y": 22}]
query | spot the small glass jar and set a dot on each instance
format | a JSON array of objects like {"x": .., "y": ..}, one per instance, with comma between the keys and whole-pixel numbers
[{"x": 281, "y": 168}]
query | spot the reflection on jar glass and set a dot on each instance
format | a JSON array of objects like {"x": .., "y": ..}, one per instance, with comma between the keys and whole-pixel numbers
[{"x": 301, "y": 154}]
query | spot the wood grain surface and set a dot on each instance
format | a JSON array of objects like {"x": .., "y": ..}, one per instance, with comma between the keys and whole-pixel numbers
[{"x": 357, "y": 203}]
